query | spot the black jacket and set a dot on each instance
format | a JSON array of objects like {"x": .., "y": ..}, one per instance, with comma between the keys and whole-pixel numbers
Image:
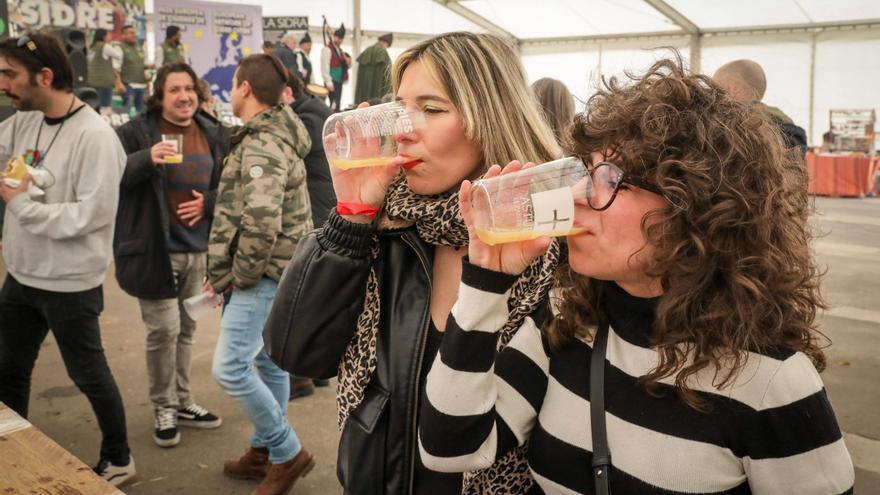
[
  {"x": 313, "y": 112},
  {"x": 315, "y": 316},
  {"x": 140, "y": 241}
]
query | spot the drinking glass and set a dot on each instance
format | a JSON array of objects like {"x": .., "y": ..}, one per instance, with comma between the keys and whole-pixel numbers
[
  {"x": 367, "y": 137},
  {"x": 177, "y": 141},
  {"x": 530, "y": 203}
]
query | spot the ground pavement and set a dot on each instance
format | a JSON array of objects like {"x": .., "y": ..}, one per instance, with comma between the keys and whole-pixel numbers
[{"x": 850, "y": 249}]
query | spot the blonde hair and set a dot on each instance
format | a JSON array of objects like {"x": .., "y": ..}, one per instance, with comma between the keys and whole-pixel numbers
[
  {"x": 486, "y": 83},
  {"x": 556, "y": 102}
]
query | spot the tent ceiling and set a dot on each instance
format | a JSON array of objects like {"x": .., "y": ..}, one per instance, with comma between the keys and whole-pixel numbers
[
  {"x": 527, "y": 20},
  {"x": 570, "y": 17},
  {"x": 605, "y": 19}
]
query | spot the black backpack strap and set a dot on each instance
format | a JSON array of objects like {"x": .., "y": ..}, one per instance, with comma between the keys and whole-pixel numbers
[{"x": 601, "y": 454}]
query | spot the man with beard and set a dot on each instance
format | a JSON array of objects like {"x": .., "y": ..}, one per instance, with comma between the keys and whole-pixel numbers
[
  {"x": 57, "y": 245},
  {"x": 165, "y": 212}
]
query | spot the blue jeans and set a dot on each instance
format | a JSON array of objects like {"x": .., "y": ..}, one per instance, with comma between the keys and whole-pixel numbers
[
  {"x": 238, "y": 359},
  {"x": 134, "y": 96},
  {"x": 105, "y": 96}
]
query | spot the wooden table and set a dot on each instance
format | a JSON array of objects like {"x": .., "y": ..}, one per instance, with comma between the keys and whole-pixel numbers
[
  {"x": 31, "y": 463},
  {"x": 841, "y": 175}
]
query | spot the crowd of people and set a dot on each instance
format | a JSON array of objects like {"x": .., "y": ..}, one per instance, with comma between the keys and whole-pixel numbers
[{"x": 669, "y": 345}]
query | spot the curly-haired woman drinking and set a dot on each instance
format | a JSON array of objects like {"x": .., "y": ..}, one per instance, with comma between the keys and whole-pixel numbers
[{"x": 694, "y": 273}]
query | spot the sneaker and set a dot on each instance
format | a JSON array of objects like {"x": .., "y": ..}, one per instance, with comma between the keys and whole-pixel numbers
[
  {"x": 166, "y": 434},
  {"x": 113, "y": 474},
  {"x": 196, "y": 416}
]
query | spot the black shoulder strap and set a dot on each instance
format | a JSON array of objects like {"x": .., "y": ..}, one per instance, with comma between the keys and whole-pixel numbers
[{"x": 601, "y": 454}]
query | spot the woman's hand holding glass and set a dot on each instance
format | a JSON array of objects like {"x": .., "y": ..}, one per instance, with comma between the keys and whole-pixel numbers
[
  {"x": 361, "y": 185},
  {"x": 512, "y": 257}
]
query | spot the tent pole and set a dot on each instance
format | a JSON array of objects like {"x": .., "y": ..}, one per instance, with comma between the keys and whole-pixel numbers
[
  {"x": 355, "y": 43},
  {"x": 812, "y": 84},
  {"x": 696, "y": 53}
]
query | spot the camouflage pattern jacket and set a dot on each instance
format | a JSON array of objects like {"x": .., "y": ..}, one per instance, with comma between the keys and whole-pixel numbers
[{"x": 262, "y": 207}]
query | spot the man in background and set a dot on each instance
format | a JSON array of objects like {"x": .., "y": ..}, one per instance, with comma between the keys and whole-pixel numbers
[
  {"x": 374, "y": 71},
  {"x": 745, "y": 82},
  {"x": 284, "y": 51},
  {"x": 313, "y": 113},
  {"x": 334, "y": 67},
  {"x": 171, "y": 51},
  {"x": 303, "y": 62},
  {"x": 133, "y": 76}
]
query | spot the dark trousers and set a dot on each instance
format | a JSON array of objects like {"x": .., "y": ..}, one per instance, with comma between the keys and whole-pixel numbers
[
  {"x": 26, "y": 315},
  {"x": 336, "y": 96}
]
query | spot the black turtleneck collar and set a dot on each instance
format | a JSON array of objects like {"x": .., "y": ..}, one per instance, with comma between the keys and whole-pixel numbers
[
  {"x": 632, "y": 318},
  {"x": 58, "y": 120}
]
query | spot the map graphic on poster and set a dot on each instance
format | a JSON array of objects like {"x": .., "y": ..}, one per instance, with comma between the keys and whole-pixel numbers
[
  {"x": 111, "y": 15},
  {"x": 215, "y": 37}
]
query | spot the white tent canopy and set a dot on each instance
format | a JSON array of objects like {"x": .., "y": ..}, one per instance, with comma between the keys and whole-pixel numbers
[{"x": 818, "y": 54}]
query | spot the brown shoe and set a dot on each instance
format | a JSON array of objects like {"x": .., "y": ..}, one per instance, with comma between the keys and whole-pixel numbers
[
  {"x": 251, "y": 466},
  {"x": 281, "y": 477},
  {"x": 301, "y": 387}
]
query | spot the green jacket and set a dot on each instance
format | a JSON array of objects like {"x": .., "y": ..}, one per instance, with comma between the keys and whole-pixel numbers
[
  {"x": 374, "y": 74},
  {"x": 133, "y": 64},
  {"x": 101, "y": 73},
  {"x": 172, "y": 53},
  {"x": 262, "y": 207}
]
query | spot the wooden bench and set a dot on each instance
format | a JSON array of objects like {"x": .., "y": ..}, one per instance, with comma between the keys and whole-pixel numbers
[{"x": 30, "y": 462}]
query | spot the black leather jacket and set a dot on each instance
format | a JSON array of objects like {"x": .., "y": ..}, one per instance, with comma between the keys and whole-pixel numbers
[{"x": 314, "y": 317}]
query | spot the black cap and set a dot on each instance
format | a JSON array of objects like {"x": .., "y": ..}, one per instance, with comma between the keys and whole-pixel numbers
[
  {"x": 305, "y": 39},
  {"x": 387, "y": 38},
  {"x": 341, "y": 31},
  {"x": 170, "y": 31}
]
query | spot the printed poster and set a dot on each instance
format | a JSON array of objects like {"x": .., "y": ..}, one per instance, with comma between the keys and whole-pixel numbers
[{"x": 215, "y": 37}]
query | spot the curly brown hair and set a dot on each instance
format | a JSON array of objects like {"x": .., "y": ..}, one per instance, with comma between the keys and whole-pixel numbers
[{"x": 731, "y": 249}]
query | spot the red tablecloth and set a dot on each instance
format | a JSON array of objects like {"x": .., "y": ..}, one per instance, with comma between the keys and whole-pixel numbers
[{"x": 841, "y": 175}]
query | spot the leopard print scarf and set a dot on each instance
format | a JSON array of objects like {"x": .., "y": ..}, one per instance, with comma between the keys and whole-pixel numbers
[{"x": 438, "y": 221}]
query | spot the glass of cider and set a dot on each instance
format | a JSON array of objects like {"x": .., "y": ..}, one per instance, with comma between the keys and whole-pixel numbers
[
  {"x": 177, "y": 141},
  {"x": 530, "y": 203},
  {"x": 368, "y": 137}
]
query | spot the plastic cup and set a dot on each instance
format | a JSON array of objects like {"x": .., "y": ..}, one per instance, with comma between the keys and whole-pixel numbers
[
  {"x": 202, "y": 304},
  {"x": 368, "y": 137},
  {"x": 177, "y": 141},
  {"x": 531, "y": 203}
]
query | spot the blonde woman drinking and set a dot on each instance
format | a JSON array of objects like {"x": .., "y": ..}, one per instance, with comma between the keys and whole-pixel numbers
[{"x": 366, "y": 297}]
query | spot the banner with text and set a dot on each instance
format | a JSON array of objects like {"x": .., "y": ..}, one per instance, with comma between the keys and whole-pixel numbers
[
  {"x": 87, "y": 15},
  {"x": 274, "y": 27},
  {"x": 215, "y": 36}
]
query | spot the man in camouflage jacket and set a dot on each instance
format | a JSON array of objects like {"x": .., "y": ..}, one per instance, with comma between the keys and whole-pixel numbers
[
  {"x": 262, "y": 207},
  {"x": 262, "y": 211}
]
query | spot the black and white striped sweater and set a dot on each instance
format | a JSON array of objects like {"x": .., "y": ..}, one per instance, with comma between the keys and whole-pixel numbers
[{"x": 772, "y": 432}]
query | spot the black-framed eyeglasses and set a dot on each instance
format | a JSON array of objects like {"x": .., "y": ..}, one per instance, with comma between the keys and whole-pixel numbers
[
  {"x": 25, "y": 41},
  {"x": 605, "y": 181}
]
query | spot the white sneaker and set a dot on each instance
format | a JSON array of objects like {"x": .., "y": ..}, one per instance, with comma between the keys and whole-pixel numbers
[{"x": 116, "y": 475}]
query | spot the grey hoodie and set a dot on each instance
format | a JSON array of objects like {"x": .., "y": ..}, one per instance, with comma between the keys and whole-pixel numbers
[{"x": 63, "y": 242}]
